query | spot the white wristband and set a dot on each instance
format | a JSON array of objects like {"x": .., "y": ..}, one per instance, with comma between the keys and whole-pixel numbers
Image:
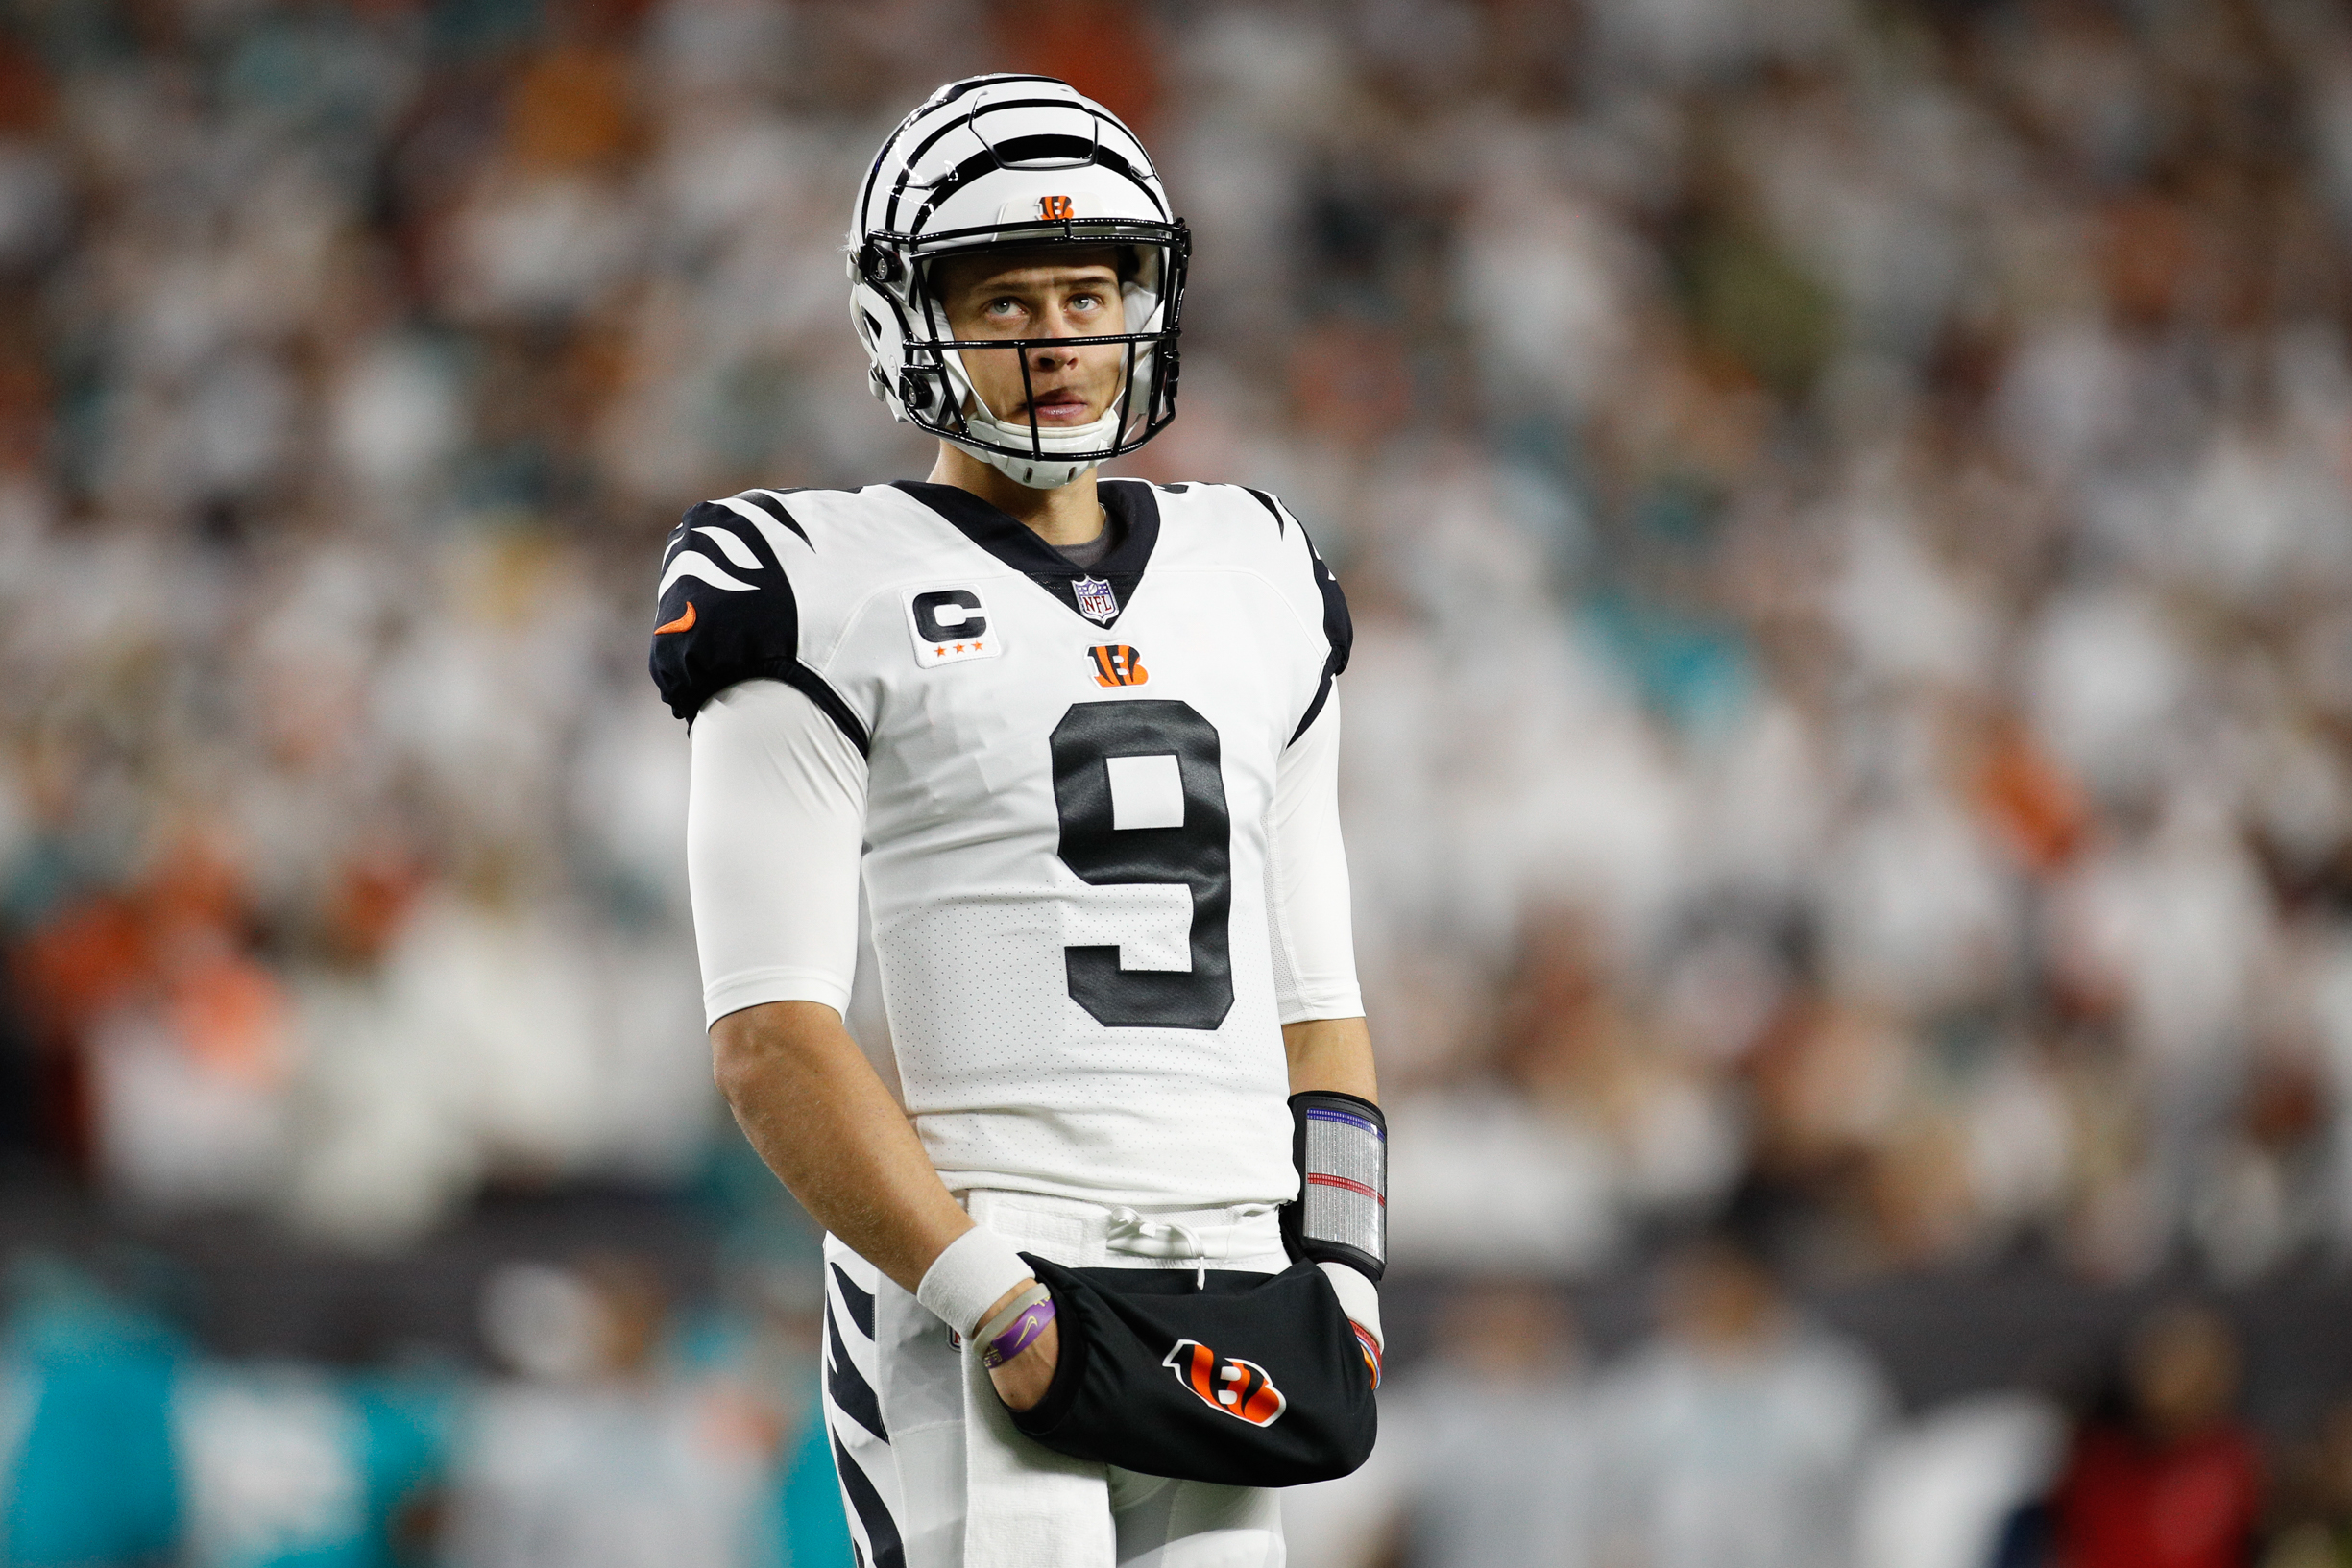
[
  {"x": 1359, "y": 1298},
  {"x": 966, "y": 1279}
]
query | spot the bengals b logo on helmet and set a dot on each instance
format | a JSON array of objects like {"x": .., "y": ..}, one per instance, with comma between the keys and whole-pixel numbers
[{"x": 1238, "y": 1388}]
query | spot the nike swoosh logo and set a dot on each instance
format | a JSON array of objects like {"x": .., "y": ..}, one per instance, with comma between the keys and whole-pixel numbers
[{"x": 683, "y": 623}]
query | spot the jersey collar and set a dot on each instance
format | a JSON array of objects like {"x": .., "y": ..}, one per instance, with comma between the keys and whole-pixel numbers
[{"x": 1133, "y": 508}]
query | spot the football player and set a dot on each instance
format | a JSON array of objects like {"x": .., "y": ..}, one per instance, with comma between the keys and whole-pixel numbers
[{"x": 1107, "y": 1278}]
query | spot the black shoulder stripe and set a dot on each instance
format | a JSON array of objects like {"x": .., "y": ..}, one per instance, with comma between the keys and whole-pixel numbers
[
  {"x": 819, "y": 692},
  {"x": 720, "y": 623},
  {"x": 1339, "y": 631},
  {"x": 1339, "y": 626},
  {"x": 1323, "y": 695},
  {"x": 811, "y": 684},
  {"x": 852, "y": 1395},
  {"x": 766, "y": 502},
  {"x": 1267, "y": 502}
]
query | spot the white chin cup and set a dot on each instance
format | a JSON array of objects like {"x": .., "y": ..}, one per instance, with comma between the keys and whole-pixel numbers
[{"x": 1053, "y": 469}]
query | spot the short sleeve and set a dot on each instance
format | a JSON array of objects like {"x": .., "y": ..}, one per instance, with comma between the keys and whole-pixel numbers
[{"x": 775, "y": 822}]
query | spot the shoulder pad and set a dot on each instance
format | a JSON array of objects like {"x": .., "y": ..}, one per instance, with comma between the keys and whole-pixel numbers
[{"x": 725, "y": 611}]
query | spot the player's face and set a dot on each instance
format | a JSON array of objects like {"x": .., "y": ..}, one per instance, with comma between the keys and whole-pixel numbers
[{"x": 1039, "y": 294}]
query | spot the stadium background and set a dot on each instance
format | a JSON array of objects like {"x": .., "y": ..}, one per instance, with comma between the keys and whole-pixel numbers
[{"x": 1848, "y": 510}]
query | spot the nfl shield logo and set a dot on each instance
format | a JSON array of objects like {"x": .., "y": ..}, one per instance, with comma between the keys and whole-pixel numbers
[{"x": 1095, "y": 599}]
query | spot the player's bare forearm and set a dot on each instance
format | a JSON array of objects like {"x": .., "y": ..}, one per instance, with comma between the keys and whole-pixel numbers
[
  {"x": 805, "y": 1096},
  {"x": 811, "y": 1103},
  {"x": 1333, "y": 1054}
]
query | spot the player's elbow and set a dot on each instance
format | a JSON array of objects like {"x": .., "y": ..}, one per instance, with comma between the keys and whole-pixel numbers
[
  {"x": 743, "y": 1056},
  {"x": 755, "y": 1049},
  {"x": 731, "y": 1070}
]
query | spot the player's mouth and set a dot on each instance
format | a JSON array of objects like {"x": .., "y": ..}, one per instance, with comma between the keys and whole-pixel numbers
[{"x": 1060, "y": 406}]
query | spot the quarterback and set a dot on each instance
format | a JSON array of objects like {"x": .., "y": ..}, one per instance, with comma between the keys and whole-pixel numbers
[{"x": 1107, "y": 1277}]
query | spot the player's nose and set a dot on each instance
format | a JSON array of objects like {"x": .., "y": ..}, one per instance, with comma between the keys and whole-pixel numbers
[{"x": 1057, "y": 323}]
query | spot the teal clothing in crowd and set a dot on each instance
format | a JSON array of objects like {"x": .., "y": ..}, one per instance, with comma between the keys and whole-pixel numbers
[
  {"x": 811, "y": 1528},
  {"x": 406, "y": 1424},
  {"x": 89, "y": 1479}
]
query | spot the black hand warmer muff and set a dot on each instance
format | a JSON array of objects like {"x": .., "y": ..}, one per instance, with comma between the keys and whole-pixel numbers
[{"x": 1248, "y": 1380}]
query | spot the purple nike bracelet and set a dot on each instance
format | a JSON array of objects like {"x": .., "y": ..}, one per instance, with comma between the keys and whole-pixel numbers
[{"x": 1023, "y": 1333}]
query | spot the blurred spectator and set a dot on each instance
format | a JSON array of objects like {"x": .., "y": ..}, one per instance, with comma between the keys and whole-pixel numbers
[
  {"x": 2171, "y": 1478},
  {"x": 2319, "y": 1531},
  {"x": 85, "y": 1431},
  {"x": 1735, "y": 1439},
  {"x": 1948, "y": 1489},
  {"x": 119, "y": 1444},
  {"x": 269, "y": 1467},
  {"x": 1501, "y": 1447},
  {"x": 597, "y": 1457}
]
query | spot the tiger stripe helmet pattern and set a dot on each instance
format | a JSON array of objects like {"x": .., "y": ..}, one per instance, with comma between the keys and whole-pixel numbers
[{"x": 1013, "y": 160}]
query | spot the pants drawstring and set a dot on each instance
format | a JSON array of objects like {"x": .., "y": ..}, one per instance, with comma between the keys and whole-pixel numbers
[{"x": 1139, "y": 1237}]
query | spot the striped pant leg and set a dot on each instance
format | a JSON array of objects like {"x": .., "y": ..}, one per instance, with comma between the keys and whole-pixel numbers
[
  {"x": 862, "y": 1455},
  {"x": 893, "y": 1400}
]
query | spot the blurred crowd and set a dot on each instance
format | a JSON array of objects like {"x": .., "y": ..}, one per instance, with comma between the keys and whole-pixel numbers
[
  {"x": 614, "y": 1431},
  {"x": 1746, "y": 1434},
  {"x": 613, "y": 1426},
  {"x": 1848, "y": 510}
]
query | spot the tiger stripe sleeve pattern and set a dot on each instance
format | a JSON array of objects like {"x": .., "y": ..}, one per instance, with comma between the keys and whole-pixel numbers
[{"x": 725, "y": 611}]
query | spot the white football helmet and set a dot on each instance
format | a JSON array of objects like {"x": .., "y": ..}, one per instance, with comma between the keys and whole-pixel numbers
[{"x": 1001, "y": 160}]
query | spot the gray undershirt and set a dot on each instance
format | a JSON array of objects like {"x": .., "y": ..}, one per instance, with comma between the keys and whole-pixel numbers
[{"x": 1084, "y": 556}]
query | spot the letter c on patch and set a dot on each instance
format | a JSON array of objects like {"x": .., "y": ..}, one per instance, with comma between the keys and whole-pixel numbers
[{"x": 959, "y": 620}]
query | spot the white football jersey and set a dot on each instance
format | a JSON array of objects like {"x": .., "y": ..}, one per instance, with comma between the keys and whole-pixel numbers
[{"x": 1068, "y": 779}]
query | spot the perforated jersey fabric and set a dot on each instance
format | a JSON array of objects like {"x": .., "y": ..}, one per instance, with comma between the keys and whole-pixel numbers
[{"x": 1098, "y": 884}]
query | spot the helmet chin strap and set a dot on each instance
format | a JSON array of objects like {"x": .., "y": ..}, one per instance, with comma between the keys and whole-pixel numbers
[
  {"x": 1034, "y": 474},
  {"x": 1050, "y": 472}
]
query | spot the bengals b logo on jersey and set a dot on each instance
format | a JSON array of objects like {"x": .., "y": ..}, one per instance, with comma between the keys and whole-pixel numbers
[
  {"x": 1115, "y": 664},
  {"x": 1238, "y": 1388}
]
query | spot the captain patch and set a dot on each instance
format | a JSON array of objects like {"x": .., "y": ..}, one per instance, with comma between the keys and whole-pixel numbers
[{"x": 950, "y": 624}]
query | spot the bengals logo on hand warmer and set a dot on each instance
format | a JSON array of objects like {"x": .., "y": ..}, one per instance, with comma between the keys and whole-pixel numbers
[{"x": 1238, "y": 1388}]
